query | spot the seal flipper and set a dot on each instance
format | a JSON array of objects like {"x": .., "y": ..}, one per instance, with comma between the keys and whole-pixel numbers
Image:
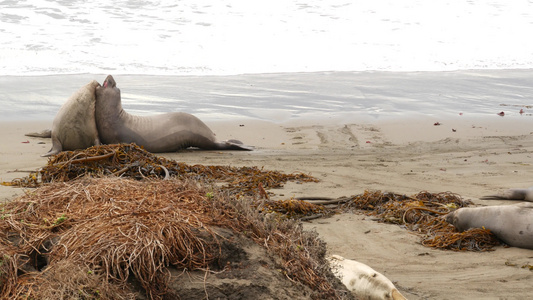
[
  {"x": 56, "y": 148},
  {"x": 512, "y": 194},
  {"x": 47, "y": 133},
  {"x": 233, "y": 145}
]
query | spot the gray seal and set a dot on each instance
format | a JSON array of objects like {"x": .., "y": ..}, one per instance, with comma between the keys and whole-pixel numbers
[
  {"x": 513, "y": 224},
  {"x": 158, "y": 133},
  {"x": 74, "y": 126}
]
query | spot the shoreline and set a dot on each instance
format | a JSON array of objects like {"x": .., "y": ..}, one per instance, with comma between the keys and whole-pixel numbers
[{"x": 282, "y": 97}]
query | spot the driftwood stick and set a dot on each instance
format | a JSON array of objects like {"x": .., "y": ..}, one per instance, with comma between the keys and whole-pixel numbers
[{"x": 21, "y": 171}]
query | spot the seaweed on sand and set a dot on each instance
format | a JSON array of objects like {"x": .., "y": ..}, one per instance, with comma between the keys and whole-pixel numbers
[
  {"x": 132, "y": 161},
  {"x": 90, "y": 238},
  {"x": 422, "y": 213}
]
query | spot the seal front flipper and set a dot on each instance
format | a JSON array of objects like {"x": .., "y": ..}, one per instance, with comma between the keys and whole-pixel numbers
[
  {"x": 56, "y": 148},
  {"x": 47, "y": 133},
  {"x": 233, "y": 145}
]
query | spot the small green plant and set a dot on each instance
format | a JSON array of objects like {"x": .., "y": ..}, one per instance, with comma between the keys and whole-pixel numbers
[
  {"x": 209, "y": 195},
  {"x": 60, "y": 220}
]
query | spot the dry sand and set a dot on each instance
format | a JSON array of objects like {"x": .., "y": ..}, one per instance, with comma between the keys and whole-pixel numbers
[{"x": 482, "y": 156}]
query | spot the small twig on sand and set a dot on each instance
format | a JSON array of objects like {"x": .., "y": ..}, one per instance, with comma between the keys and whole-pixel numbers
[{"x": 324, "y": 200}]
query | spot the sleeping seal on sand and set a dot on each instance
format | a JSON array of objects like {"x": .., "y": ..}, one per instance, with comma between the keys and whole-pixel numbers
[
  {"x": 363, "y": 281},
  {"x": 159, "y": 133},
  {"x": 512, "y": 194},
  {"x": 513, "y": 224},
  {"x": 74, "y": 126}
]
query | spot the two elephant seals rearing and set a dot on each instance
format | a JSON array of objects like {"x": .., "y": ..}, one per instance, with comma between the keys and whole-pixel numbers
[
  {"x": 513, "y": 224},
  {"x": 74, "y": 126},
  {"x": 159, "y": 133}
]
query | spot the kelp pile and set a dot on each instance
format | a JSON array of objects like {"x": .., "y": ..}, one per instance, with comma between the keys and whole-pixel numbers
[
  {"x": 91, "y": 238},
  {"x": 131, "y": 161},
  {"x": 421, "y": 213}
]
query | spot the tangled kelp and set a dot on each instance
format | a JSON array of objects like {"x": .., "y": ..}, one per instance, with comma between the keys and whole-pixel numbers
[
  {"x": 421, "y": 213},
  {"x": 131, "y": 161},
  {"x": 294, "y": 208},
  {"x": 109, "y": 232}
]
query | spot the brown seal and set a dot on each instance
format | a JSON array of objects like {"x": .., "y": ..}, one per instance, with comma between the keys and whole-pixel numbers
[
  {"x": 159, "y": 133},
  {"x": 513, "y": 224},
  {"x": 74, "y": 126}
]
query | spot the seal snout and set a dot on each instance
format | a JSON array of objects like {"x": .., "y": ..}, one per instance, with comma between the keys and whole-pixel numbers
[
  {"x": 109, "y": 81},
  {"x": 450, "y": 218}
]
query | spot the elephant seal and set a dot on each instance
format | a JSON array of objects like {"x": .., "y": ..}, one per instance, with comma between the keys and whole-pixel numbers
[
  {"x": 513, "y": 224},
  {"x": 363, "y": 281},
  {"x": 74, "y": 126},
  {"x": 512, "y": 194},
  {"x": 159, "y": 133}
]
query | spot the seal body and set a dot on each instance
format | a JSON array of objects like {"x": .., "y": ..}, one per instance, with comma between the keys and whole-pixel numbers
[
  {"x": 513, "y": 224},
  {"x": 74, "y": 126},
  {"x": 363, "y": 281},
  {"x": 159, "y": 133}
]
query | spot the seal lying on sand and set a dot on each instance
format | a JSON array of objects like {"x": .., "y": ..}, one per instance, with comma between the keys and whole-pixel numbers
[
  {"x": 74, "y": 126},
  {"x": 513, "y": 224},
  {"x": 363, "y": 281},
  {"x": 159, "y": 133},
  {"x": 512, "y": 194}
]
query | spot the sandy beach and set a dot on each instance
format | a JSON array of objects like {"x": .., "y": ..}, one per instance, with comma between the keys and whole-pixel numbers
[
  {"x": 468, "y": 155},
  {"x": 481, "y": 157}
]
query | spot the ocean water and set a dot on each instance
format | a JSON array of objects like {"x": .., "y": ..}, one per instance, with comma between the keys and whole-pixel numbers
[
  {"x": 196, "y": 42},
  {"x": 200, "y": 37}
]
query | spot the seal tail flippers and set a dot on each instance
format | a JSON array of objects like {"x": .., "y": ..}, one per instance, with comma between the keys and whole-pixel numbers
[
  {"x": 233, "y": 145},
  {"x": 491, "y": 197},
  {"x": 47, "y": 133},
  {"x": 512, "y": 194}
]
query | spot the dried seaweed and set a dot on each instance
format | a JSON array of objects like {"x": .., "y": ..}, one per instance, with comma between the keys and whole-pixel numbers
[
  {"x": 110, "y": 231},
  {"x": 131, "y": 161},
  {"x": 294, "y": 208},
  {"x": 422, "y": 213}
]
